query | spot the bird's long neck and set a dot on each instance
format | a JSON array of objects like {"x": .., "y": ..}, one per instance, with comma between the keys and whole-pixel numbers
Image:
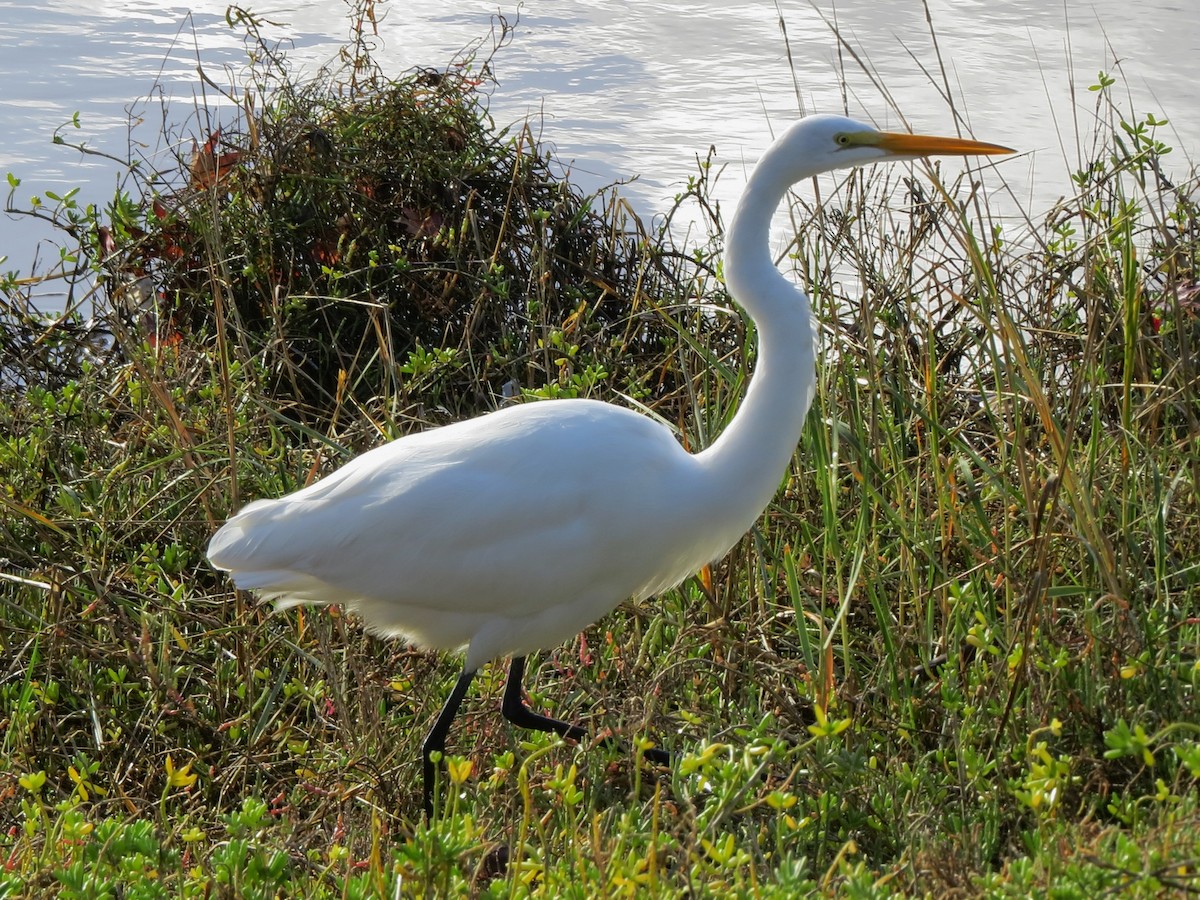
[{"x": 748, "y": 459}]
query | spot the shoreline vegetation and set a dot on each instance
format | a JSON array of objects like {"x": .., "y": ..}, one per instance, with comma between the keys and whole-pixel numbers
[{"x": 957, "y": 657}]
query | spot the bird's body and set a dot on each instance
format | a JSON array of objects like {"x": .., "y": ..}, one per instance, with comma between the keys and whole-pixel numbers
[
  {"x": 609, "y": 506},
  {"x": 513, "y": 531}
]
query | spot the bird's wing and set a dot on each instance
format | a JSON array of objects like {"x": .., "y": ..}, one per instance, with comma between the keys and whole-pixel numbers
[{"x": 511, "y": 511}]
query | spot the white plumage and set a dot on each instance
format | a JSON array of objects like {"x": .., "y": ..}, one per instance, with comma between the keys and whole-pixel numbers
[{"x": 507, "y": 532}]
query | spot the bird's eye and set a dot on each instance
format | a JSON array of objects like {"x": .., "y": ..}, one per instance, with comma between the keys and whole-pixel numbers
[{"x": 843, "y": 140}]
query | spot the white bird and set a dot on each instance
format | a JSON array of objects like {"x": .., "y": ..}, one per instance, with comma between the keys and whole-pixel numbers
[{"x": 513, "y": 531}]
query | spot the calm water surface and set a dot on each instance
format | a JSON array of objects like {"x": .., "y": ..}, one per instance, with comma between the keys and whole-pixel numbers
[{"x": 621, "y": 90}]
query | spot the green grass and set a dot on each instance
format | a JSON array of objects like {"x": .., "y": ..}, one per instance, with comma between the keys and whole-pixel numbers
[{"x": 958, "y": 655}]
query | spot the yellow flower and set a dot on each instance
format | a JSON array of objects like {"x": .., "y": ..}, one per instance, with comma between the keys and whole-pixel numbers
[
  {"x": 180, "y": 778},
  {"x": 80, "y": 783},
  {"x": 460, "y": 769}
]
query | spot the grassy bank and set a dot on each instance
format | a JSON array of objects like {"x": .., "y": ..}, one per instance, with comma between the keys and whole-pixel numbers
[{"x": 957, "y": 656}]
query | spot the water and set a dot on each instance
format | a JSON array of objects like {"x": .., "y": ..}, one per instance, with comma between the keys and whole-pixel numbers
[{"x": 640, "y": 91}]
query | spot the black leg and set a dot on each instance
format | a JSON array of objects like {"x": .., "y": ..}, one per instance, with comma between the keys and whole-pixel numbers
[
  {"x": 658, "y": 756},
  {"x": 436, "y": 739},
  {"x": 514, "y": 709}
]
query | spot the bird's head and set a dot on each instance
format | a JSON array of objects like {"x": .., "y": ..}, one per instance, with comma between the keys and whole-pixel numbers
[{"x": 823, "y": 142}]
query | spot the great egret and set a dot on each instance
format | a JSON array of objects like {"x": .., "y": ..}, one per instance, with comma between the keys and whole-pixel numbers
[{"x": 513, "y": 531}]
